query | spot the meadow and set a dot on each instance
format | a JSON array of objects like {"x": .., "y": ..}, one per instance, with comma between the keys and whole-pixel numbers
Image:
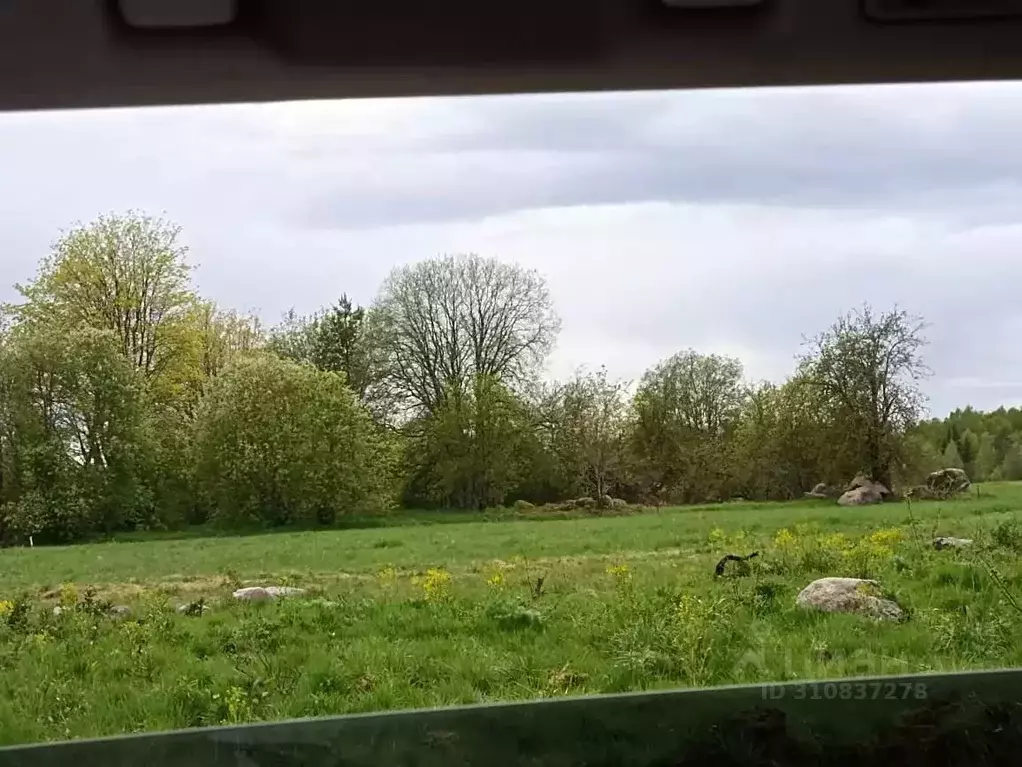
[{"x": 441, "y": 609}]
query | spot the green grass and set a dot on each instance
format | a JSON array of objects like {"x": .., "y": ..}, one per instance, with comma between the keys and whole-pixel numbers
[{"x": 628, "y": 603}]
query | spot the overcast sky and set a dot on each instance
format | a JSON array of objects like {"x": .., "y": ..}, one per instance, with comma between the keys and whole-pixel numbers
[{"x": 725, "y": 221}]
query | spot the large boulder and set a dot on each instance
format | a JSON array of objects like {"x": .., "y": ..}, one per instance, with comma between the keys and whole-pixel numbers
[
  {"x": 862, "y": 496},
  {"x": 849, "y": 595},
  {"x": 945, "y": 483},
  {"x": 861, "y": 480},
  {"x": 863, "y": 491}
]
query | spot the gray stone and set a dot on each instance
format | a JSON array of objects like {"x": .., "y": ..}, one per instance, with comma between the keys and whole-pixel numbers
[
  {"x": 864, "y": 495},
  {"x": 945, "y": 483},
  {"x": 849, "y": 595},
  {"x": 947, "y": 542}
]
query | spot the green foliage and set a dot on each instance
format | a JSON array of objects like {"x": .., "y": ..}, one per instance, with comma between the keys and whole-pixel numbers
[
  {"x": 588, "y": 433},
  {"x": 686, "y": 410},
  {"x": 126, "y": 274},
  {"x": 952, "y": 458},
  {"x": 281, "y": 442},
  {"x": 334, "y": 340},
  {"x": 469, "y": 452},
  {"x": 867, "y": 367},
  {"x": 128, "y": 402},
  {"x": 76, "y": 407},
  {"x": 986, "y": 445}
]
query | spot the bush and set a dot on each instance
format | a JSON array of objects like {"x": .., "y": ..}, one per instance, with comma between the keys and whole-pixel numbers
[{"x": 279, "y": 442}]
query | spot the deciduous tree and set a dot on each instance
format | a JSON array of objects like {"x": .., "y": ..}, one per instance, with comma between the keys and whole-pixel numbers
[
  {"x": 443, "y": 322},
  {"x": 870, "y": 366}
]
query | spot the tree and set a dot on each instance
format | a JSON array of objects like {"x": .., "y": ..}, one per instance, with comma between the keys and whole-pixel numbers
[
  {"x": 968, "y": 449},
  {"x": 334, "y": 339},
  {"x": 294, "y": 337},
  {"x": 588, "y": 420},
  {"x": 871, "y": 366},
  {"x": 789, "y": 438},
  {"x": 469, "y": 454},
  {"x": 951, "y": 457},
  {"x": 280, "y": 442},
  {"x": 225, "y": 335},
  {"x": 1011, "y": 468},
  {"x": 126, "y": 274},
  {"x": 75, "y": 411},
  {"x": 443, "y": 322},
  {"x": 685, "y": 409},
  {"x": 986, "y": 461}
]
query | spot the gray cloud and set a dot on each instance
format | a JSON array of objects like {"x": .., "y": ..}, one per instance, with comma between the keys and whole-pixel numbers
[
  {"x": 829, "y": 148},
  {"x": 727, "y": 221}
]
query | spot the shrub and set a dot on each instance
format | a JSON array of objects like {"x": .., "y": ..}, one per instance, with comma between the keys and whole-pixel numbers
[{"x": 280, "y": 442}]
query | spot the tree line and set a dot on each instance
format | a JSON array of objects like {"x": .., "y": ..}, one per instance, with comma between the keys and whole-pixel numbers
[{"x": 128, "y": 401}]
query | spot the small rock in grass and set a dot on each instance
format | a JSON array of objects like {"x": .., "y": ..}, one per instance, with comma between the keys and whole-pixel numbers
[
  {"x": 119, "y": 612},
  {"x": 57, "y": 611},
  {"x": 849, "y": 595},
  {"x": 193, "y": 608},
  {"x": 948, "y": 542},
  {"x": 266, "y": 593}
]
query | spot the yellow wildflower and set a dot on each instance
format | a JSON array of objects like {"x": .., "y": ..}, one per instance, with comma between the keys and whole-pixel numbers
[
  {"x": 436, "y": 584},
  {"x": 496, "y": 580},
  {"x": 784, "y": 539},
  {"x": 622, "y": 572}
]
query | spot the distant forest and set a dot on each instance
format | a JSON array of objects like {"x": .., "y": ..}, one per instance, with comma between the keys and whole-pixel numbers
[{"x": 130, "y": 402}]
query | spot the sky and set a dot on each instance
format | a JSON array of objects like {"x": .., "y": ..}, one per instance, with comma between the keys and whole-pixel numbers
[{"x": 729, "y": 221}]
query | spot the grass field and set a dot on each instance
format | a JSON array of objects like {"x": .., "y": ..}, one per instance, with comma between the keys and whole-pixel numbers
[{"x": 436, "y": 610}]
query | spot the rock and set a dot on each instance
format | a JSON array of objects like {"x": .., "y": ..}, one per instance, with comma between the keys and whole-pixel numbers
[
  {"x": 195, "y": 609},
  {"x": 863, "y": 491},
  {"x": 861, "y": 480},
  {"x": 585, "y": 502},
  {"x": 863, "y": 495},
  {"x": 523, "y": 504},
  {"x": 618, "y": 503},
  {"x": 951, "y": 543},
  {"x": 266, "y": 593},
  {"x": 119, "y": 612},
  {"x": 606, "y": 502},
  {"x": 823, "y": 490},
  {"x": 848, "y": 595},
  {"x": 57, "y": 611},
  {"x": 945, "y": 483}
]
